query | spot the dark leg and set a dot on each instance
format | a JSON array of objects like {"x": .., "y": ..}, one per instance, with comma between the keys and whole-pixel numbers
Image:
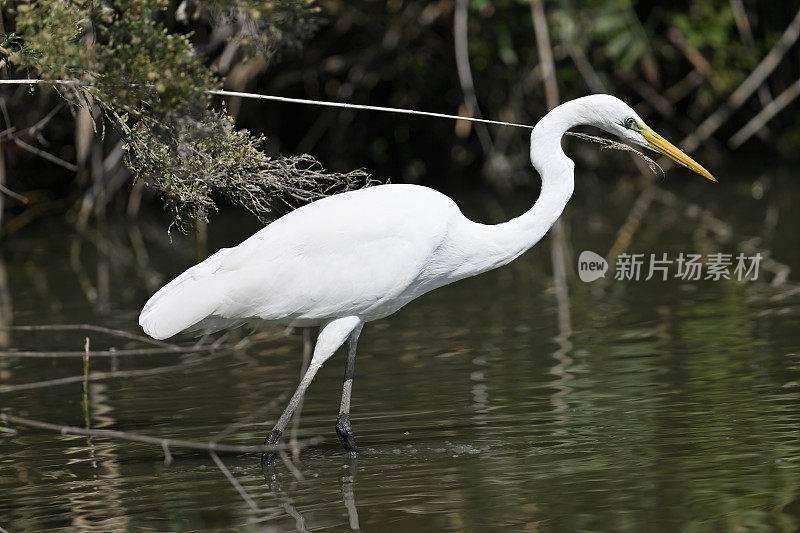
[
  {"x": 345, "y": 433},
  {"x": 331, "y": 336},
  {"x": 307, "y": 348},
  {"x": 267, "y": 458},
  {"x": 343, "y": 428}
]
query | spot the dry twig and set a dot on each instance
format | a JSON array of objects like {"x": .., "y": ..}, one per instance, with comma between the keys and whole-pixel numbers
[
  {"x": 235, "y": 482},
  {"x": 110, "y": 353},
  {"x": 210, "y": 446},
  {"x": 746, "y": 88},
  {"x": 765, "y": 115},
  {"x": 95, "y": 328},
  {"x": 100, "y": 375},
  {"x": 614, "y": 145},
  {"x": 461, "y": 42}
]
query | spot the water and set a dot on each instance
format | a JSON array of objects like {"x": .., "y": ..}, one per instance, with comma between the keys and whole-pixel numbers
[{"x": 483, "y": 406}]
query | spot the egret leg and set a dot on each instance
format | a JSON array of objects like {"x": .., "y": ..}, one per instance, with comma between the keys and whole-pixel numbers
[
  {"x": 343, "y": 428},
  {"x": 307, "y": 346},
  {"x": 331, "y": 335}
]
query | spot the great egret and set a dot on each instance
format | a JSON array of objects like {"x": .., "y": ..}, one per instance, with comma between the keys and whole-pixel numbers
[{"x": 362, "y": 255}]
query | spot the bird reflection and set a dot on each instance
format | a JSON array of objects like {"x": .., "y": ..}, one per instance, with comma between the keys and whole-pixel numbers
[
  {"x": 559, "y": 252},
  {"x": 275, "y": 485},
  {"x": 348, "y": 494}
]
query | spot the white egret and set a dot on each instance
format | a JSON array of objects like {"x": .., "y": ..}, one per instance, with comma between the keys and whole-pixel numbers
[{"x": 362, "y": 255}]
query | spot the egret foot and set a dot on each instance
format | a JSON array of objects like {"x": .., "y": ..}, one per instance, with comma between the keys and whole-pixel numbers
[
  {"x": 274, "y": 437},
  {"x": 345, "y": 432}
]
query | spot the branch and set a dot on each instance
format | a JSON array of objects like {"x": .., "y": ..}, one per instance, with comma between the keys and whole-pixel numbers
[
  {"x": 461, "y": 42},
  {"x": 545, "y": 54},
  {"x": 92, "y": 327},
  {"x": 46, "y": 155},
  {"x": 746, "y": 32},
  {"x": 12, "y": 131},
  {"x": 101, "y": 375},
  {"x": 692, "y": 54},
  {"x": 146, "y": 439},
  {"x": 765, "y": 115},
  {"x": 8, "y": 192},
  {"x": 585, "y": 68},
  {"x": 235, "y": 482},
  {"x": 112, "y": 352},
  {"x": 162, "y": 347},
  {"x": 747, "y": 87}
]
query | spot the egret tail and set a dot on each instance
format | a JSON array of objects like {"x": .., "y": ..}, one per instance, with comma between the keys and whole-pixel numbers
[{"x": 187, "y": 301}]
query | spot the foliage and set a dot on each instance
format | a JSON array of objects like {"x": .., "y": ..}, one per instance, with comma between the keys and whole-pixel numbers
[
  {"x": 668, "y": 60},
  {"x": 9, "y": 43},
  {"x": 192, "y": 158},
  {"x": 710, "y": 26},
  {"x": 152, "y": 84},
  {"x": 128, "y": 60},
  {"x": 676, "y": 63},
  {"x": 634, "y": 34}
]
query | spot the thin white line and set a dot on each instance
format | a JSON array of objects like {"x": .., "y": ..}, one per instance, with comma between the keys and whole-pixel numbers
[
  {"x": 367, "y": 107},
  {"x": 31, "y": 81},
  {"x": 305, "y": 101}
]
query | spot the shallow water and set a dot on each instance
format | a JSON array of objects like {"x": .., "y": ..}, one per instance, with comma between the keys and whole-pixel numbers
[{"x": 485, "y": 405}]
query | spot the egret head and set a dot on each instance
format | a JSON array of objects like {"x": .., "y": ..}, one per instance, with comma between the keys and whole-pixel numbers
[{"x": 618, "y": 118}]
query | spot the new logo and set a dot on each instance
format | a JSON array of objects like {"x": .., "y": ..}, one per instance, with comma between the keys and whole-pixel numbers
[{"x": 591, "y": 266}]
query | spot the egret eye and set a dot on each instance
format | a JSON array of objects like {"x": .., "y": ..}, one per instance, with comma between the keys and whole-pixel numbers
[{"x": 630, "y": 122}]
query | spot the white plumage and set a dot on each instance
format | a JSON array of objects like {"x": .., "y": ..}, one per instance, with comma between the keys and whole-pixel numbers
[
  {"x": 362, "y": 255},
  {"x": 319, "y": 262}
]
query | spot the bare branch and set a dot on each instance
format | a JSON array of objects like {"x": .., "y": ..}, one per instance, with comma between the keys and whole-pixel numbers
[
  {"x": 746, "y": 32},
  {"x": 765, "y": 115},
  {"x": 100, "y": 375},
  {"x": 16, "y": 196},
  {"x": 545, "y": 54},
  {"x": 585, "y": 68},
  {"x": 46, "y": 155},
  {"x": 290, "y": 465},
  {"x": 461, "y": 41},
  {"x": 107, "y": 353},
  {"x": 12, "y": 131},
  {"x": 747, "y": 87},
  {"x": 91, "y": 327},
  {"x": 235, "y": 482},
  {"x": 146, "y": 439}
]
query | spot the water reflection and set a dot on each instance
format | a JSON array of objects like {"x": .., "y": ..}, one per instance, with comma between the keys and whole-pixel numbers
[
  {"x": 559, "y": 256},
  {"x": 6, "y": 317},
  {"x": 348, "y": 494},
  {"x": 275, "y": 484},
  {"x": 515, "y": 401}
]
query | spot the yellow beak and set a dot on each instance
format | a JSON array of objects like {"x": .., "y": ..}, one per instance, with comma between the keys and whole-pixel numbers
[{"x": 668, "y": 149}]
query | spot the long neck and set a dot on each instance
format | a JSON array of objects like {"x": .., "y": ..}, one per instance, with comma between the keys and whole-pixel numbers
[{"x": 502, "y": 243}]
